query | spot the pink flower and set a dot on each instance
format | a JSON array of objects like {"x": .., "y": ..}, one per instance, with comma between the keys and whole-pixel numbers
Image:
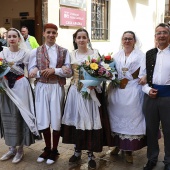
[
  {"x": 101, "y": 71},
  {"x": 108, "y": 74},
  {"x": 93, "y": 60}
]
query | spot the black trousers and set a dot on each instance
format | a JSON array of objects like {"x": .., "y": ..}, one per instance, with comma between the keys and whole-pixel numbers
[{"x": 157, "y": 110}]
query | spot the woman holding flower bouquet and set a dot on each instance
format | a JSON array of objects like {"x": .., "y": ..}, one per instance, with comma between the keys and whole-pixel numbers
[
  {"x": 125, "y": 102},
  {"x": 81, "y": 123},
  {"x": 17, "y": 107}
]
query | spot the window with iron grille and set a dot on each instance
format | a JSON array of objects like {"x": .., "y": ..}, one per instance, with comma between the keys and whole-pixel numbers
[{"x": 99, "y": 20}]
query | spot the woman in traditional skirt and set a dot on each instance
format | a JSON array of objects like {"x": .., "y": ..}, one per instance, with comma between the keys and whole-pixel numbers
[
  {"x": 125, "y": 102},
  {"x": 82, "y": 122},
  {"x": 17, "y": 108}
]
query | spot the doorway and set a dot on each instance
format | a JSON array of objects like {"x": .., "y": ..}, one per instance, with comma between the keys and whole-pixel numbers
[{"x": 29, "y": 23}]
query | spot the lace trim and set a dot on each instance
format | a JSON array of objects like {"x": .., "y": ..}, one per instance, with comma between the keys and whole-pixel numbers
[
  {"x": 15, "y": 58},
  {"x": 129, "y": 137},
  {"x": 16, "y": 69}
]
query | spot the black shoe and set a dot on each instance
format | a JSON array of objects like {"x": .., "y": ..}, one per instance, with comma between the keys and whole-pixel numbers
[
  {"x": 167, "y": 167},
  {"x": 92, "y": 164},
  {"x": 74, "y": 159},
  {"x": 149, "y": 166}
]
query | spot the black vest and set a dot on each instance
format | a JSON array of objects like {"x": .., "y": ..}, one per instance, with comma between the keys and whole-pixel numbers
[{"x": 150, "y": 64}]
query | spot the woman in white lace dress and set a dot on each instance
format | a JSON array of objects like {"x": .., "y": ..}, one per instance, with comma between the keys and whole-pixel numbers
[
  {"x": 125, "y": 102},
  {"x": 82, "y": 122},
  {"x": 17, "y": 108}
]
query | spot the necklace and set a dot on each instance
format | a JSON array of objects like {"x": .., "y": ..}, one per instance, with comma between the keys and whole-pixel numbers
[
  {"x": 124, "y": 70},
  {"x": 123, "y": 64}
]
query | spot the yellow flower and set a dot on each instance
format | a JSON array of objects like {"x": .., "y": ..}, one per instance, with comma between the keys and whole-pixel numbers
[
  {"x": 1, "y": 63},
  {"x": 94, "y": 66}
]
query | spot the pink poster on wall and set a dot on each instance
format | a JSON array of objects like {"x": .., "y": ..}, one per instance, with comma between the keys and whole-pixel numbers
[{"x": 72, "y": 17}]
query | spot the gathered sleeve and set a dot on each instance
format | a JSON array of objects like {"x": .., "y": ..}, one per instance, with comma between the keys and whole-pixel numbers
[
  {"x": 59, "y": 71},
  {"x": 1, "y": 55},
  {"x": 142, "y": 71},
  {"x": 145, "y": 88},
  {"x": 32, "y": 60},
  {"x": 26, "y": 58}
]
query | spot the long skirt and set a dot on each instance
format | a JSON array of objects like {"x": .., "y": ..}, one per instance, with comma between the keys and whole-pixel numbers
[
  {"x": 129, "y": 142},
  {"x": 92, "y": 139},
  {"x": 16, "y": 131}
]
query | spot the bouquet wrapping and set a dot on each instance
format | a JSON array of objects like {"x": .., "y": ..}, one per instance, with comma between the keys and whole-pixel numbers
[
  {"x": 95, "y": 71},
  {"x": 89, "y": 80}
]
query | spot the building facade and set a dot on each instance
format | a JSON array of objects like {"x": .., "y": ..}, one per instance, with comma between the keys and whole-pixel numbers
[{"x": 105, "y": 20}]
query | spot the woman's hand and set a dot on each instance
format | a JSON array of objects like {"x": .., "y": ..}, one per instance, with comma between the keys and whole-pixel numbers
[
  {"x": 91, "y": 87},
  {"x": 33, "y": 73},
  {"x": 66, "y": 70},
  {"x": 142, "y": 80}
]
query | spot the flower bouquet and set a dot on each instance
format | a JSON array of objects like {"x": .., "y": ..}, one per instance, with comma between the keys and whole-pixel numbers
[
  {"x": 94, "y": 71},
  {"x": 109, "y": 60},
  {"x": 4, "y": 69}
]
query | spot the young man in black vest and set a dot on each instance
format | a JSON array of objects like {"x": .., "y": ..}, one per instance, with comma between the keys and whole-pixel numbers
[{"x": 156, "y": 106}]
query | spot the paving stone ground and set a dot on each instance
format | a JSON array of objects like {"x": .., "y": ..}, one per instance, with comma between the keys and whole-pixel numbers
[{"x": 104, "y": 160}]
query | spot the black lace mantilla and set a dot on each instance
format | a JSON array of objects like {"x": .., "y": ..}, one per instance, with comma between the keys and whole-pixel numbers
[{"x": 11, "y": 77}]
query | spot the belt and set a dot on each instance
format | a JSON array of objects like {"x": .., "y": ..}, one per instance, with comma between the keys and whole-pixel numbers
[
  {"x": 163, "y": 90},
  {"x": 19, "y": 77},
  {"x": 124, "y": 81}
]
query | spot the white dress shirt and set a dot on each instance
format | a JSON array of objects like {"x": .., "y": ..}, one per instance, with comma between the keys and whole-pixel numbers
[
  {"x": 52, "y": 53},
  {"x": 161, "y": 75}
]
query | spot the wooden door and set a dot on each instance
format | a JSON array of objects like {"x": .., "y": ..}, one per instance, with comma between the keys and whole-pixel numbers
[{"x": 38, "y": 21}]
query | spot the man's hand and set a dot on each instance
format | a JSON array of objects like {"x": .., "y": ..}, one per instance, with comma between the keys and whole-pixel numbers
[
  {"x": 47, "y": 72},
  {"x": 153, "y": 93}
]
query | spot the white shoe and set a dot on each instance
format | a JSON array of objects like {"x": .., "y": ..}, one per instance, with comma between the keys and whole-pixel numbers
[
  {"x": 8, "y": 155},
  {"x": 49, "y": 161},
  {"x": 52, "y": 158},
  {"x": 39, "y": 160},
  {"x": 18, "y": 157},
  {"x": 44, "y": 155}
]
